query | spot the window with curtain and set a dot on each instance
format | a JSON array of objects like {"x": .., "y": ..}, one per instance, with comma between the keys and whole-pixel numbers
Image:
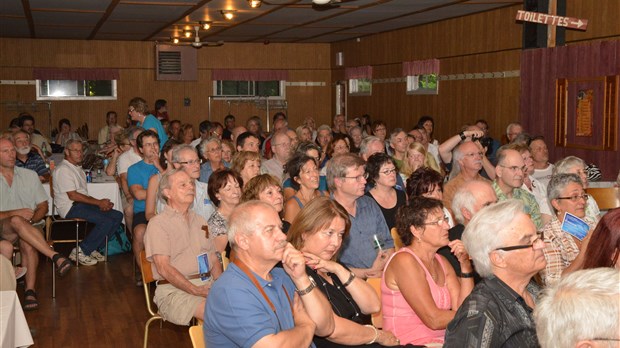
[
  {"x": 75, "y": 83},
  {"x": 360, "y": 80},
  {"x": 422, "y": 76},
  {"x": 76, "y": 89},
  {"x": 232, "y": 88},
  {"x": 422, "y": 84}
]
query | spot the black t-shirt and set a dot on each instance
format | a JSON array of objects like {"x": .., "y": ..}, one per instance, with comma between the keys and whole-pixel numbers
[{"x": 390, "y": 213}]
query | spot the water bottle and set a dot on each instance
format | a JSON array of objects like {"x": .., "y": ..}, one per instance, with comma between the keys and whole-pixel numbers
[
  {"x": 89, "y": 177},
  {"x": 44, "y": 150}
]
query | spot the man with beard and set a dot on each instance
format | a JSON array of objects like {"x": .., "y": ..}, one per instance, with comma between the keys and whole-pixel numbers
[
  {"x": 23, "y": 206},
  {"x": 28, "y": 157},
  {"x": 182, "y": 256},
  {"x": 509, "y": 173},
  {"x": 468, "y": 156},
  {"x": 254, "y": 303}
]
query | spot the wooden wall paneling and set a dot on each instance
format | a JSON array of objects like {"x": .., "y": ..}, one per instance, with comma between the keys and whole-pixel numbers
[
  {"x": 136, "y": 61},
  {"x": 601, "y": 19}
]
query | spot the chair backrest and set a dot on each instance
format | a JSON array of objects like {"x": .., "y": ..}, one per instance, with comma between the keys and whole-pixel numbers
[
  {"x": 377, "y": 318},
  {"x": 145, "y": 267},
  {"x": 225, "y": 261},
  {"x": 197, "y": 336},
  {"x": 147, "y": 279},
  {"x": 397, "y": 242},
  {"x": 606, "y": 197}
]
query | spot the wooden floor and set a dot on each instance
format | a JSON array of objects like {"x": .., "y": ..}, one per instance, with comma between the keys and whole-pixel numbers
[{"x": 96, "y": 306}]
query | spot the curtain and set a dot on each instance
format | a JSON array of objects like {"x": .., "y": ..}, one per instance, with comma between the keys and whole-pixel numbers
[
  {"x": 421, "y": 67},
  {"x": 359, "y": 72},
  {"x": 249, "y": 75},
  {"x": 75, "y": 74}
]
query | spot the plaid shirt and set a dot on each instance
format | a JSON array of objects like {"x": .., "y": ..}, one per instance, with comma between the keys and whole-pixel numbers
[
  {"x": 34, "y": 162},
  {"x": 560, "y": 250}
]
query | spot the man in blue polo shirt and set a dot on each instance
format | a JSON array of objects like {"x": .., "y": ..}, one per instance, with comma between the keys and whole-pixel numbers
[
  {"x": 139, "y": 112},
  {"x": 138, "y": 176},
  {"x": 369, "y": 244},
  {"x": 253, "y": 303}
]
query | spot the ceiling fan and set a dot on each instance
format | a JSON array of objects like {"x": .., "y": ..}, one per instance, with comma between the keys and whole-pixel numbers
[
  {"x": 197, "y": 43},
  {"x": 322, "y": 5}
]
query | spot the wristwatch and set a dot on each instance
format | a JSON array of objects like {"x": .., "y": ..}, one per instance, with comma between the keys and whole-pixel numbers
[
  {"x": 462, "y": 135},
  {"x": 308, "y": 289}
]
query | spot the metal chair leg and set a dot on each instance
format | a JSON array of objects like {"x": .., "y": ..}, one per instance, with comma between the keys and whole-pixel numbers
[{"x": 105, "y": 257}]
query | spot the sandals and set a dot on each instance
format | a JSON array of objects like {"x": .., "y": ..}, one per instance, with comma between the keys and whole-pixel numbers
[
  {"x": 64, "y": 267},
  {"x": 30, "y": 304}
]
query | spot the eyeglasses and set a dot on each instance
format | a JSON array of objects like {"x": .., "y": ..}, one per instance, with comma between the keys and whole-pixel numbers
[
  {"x": 192, "y": 162},
  {"x": 358, "y": 178},
  {"x": 539, "y": 239},
  {"x": 575, "y": 198},
  {"x": 474, "y": 154},
  {"x": 438, "y": 222},
  {"x": 605, "y": 339},
  {"x": 515, "y": 168},
  {"x": 389, "y": 171},
  {"x": 216, "y": 149}
]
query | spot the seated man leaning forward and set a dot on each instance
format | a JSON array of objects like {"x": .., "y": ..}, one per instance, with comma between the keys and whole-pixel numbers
[
  {"x": 184, "y": 259},
  {"x": 254, "y": 304},
  {"x": 502, "y": 241}
]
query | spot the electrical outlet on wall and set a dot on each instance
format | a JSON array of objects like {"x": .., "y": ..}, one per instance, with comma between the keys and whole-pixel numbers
[{"x": 187, "y": 102}]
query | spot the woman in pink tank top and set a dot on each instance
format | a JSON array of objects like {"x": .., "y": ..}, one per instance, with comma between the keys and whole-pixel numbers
[{"x": 420, "y": 291}]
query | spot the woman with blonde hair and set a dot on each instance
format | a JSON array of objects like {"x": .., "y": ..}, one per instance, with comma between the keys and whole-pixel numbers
[
  {"x": 247, "y": 165},
  {"x": 417, "y": 157},
  {"x": 228, "y": 150}
]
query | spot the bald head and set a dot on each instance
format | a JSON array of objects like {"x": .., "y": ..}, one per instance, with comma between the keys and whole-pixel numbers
[
  {"x": 470, "y": 198},
  {"x": 235, "y": 133}
]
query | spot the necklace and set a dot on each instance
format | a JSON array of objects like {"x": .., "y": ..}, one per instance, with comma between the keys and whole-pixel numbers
[{"x": 341, "y": 293}]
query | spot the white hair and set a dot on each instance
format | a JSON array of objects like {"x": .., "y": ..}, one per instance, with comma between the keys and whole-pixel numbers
[
  {"x": 488, "y": 230},
  {"x": 243, "y": 219},
  {"x": 463, "y": 199},
  {"x": 583, "y": 305}
]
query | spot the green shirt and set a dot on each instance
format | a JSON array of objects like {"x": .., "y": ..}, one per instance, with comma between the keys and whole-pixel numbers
[{"x": 528, "y": 199}]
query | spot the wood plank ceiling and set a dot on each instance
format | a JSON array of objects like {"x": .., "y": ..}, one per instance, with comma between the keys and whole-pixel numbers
[{"x": 274, "y": 21}]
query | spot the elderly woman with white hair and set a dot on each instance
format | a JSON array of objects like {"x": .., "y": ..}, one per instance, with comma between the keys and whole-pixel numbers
[
  {"x": 506, "y": 250},
  {"x": 575, "y": 165},
  {"x": 211, "y": 150},
  {"x": 581, "y": 310},
  {"x": 564, "y": 252}
]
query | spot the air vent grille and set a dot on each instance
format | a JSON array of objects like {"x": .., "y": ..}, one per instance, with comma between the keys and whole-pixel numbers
[{"x": 170, "y": 63}]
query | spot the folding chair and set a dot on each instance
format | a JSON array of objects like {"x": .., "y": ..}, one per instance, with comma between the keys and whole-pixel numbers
[
  {"x": 377, "y": 318},
  {"x": 606, "y": 198},
  {"x": 55, "y": 235},
  {"x": 197, "y": 336},
  {"x": 147, "y": 279},
  {"x": 397, "y": 242}
]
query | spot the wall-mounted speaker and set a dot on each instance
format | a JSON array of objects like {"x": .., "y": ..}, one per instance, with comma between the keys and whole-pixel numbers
[{"x": 339, "y": 59}]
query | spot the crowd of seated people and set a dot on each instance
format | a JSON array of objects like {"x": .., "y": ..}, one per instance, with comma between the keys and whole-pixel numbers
[{"x": 481, "y": 228}]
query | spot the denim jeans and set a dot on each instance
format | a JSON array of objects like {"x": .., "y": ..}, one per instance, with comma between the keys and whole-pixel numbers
[{"x": 106, "y": 223}]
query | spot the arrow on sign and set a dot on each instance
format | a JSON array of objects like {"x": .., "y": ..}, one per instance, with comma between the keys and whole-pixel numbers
[{"x": 547, "y": 19}]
